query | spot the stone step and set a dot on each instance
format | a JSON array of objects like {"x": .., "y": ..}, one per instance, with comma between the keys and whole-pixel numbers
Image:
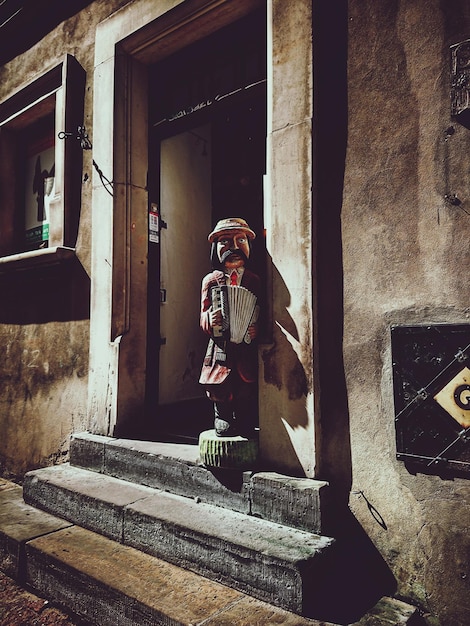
[
  {"x": 110, "y": 584},
  {"x": 20, "y": 523},
  {"x": 296, "y": 502},
  {"x": 269, "y": 561},
  {"x": 117, "y": 585}
]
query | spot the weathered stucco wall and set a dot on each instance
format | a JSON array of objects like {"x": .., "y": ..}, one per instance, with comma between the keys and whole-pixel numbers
[
  {"x": 44, "y": 313},
  {"x": 406, "y": 256},
  {"x": 287, "y": 432}
]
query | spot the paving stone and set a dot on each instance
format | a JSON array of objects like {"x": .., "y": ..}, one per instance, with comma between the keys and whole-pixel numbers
[
  {"x": 114, "y": 585},
  {"x": 19, "y": 606},
  {"x": 268, "y": 560},
  {"x": 7, "y": 484},
  {"x": 296, "y": 502},
  {"x": 277, "y": 563},
  {"x": 109, "y": 584},
  {"x": 391, "y": 612},
  {"x": 250, "y": 612}
]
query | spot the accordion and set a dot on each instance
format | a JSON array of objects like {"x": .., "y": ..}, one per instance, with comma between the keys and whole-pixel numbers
[{"x": 239, "y": 310}]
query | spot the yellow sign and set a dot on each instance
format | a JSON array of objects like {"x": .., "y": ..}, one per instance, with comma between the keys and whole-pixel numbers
[{"x": 455, "y": 397}]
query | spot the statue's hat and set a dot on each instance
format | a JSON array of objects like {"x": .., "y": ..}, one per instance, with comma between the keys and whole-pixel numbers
[{"x": 229, "y": 224}]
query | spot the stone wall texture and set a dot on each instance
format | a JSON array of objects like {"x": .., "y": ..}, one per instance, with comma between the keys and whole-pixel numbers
[{"x": 405, "y": 254}]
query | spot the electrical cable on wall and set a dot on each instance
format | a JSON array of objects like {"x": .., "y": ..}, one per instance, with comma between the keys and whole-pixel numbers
[{"x": 85, "y": 144}]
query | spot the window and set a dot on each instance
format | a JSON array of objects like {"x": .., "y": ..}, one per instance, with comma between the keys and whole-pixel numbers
[{"x": 40, "y": 173}]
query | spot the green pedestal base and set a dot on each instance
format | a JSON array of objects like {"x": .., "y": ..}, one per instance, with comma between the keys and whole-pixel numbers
[{"x": 227, "y": 452}]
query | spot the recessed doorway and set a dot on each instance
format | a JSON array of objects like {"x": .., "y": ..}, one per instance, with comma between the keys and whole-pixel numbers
[{"x": 207, "y": 161}]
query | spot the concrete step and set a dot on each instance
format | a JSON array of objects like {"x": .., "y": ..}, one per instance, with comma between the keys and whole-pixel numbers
[
  {"x": 296, "y": 502},
  {"x": 269, "y": 561},
  {"x": 110, "y": 584}
]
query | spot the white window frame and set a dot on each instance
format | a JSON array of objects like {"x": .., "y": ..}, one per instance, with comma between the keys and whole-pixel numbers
[{"x": 58, "y": 91}]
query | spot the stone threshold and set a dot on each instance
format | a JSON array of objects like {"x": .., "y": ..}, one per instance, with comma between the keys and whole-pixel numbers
[{"x": 294, "y": 502}]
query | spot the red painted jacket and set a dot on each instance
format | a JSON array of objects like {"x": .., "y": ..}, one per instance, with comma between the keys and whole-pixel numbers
[{"x": 222, "y": 356}]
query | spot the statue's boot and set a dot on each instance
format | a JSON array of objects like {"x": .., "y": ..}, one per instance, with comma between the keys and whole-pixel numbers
[{"x": 224, "y": 421}]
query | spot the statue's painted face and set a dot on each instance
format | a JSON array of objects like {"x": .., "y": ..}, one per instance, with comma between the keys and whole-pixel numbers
[{"x": 233, "y": 249}]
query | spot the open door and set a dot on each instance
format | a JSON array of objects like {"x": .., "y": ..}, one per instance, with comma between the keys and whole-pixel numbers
[
  {"x": 208, "y": 137},
  {"x": 185, "y": 192}
]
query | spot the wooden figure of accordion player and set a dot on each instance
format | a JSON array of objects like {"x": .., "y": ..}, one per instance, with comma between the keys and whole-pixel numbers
[{"x": 229, "y": 314}]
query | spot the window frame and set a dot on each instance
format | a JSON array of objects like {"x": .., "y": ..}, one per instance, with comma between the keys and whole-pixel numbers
[{"x": 58, "y": 92}]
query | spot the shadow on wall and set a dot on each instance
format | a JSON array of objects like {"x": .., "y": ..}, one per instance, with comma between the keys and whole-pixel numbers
[
  {"x": 354, "y": 576},
  {"x": 283, "y": 370},
  {"x": 330, "y": 131},
  {"x": 330, "y": 138},
  {"x": 357, "y": 576},
  {"x": 56, "y": 293}
]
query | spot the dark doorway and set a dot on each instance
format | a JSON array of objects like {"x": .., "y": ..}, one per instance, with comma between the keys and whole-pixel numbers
[{"x": 207, "y": 162}]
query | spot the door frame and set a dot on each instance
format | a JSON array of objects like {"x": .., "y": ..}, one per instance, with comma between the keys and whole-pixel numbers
[
  {"x": 136, "y": 36},
  {"x": 126, "y": 43}
]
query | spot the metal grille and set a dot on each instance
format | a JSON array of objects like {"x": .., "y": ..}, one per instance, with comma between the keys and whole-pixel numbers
[{"x": 431, "y": 381}]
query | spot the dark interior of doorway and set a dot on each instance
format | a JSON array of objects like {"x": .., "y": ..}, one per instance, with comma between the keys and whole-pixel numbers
[{"x": 238, "y": 150}]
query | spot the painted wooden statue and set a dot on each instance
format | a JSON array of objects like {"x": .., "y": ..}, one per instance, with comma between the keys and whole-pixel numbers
[{"x": 229, "y": 313}]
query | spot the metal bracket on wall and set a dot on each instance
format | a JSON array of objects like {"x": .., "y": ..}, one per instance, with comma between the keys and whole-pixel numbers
[{"x": 82, "y": 136}]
